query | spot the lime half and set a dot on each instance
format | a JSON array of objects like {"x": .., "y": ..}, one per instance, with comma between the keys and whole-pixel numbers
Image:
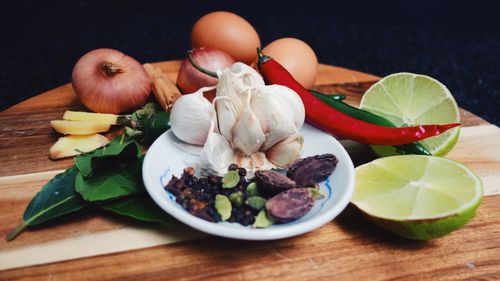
[
  {"x": 418, "y": 197},
  {"x": 409, "y": 99}
]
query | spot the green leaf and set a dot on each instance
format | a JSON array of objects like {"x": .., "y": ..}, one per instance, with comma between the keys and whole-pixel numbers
[
  {"x": 113, "y": 182},
  {"x": 56, "y": 198},
  {"x": 139, "y": 207},
  {"x": 133, "y": 133},
  {"x": 120, "y": 147}
]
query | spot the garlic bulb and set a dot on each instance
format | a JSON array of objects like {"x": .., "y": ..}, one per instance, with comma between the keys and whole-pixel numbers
[
  {"x": 190, "y": 117},
  {"x": 253, "y": 125}
]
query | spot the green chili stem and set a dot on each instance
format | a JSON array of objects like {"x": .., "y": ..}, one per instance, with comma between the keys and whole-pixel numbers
[
  {"x": 262, "y": 58},
  {"x": 198, "y": 67}
]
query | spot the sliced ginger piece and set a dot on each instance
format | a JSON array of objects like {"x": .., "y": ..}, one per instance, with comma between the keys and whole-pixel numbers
[
  {"x": 78, "y": 127},
  {"x": 101, "y": 118},
  {"x": 76, "y": 144}
]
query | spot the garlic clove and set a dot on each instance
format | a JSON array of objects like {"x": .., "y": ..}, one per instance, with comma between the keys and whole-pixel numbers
[
  {"x": 286, "y": 151},
  {"x": 227, "y": 104},
  {"x": 217, "y": 153},
  {"x": 247, "y": 133},
  {"x": 275, "y": 117},
  {"x": 226, "y": 117},
  {"x": 292, "y": 99},
  {"x": 190, "y": 117}
]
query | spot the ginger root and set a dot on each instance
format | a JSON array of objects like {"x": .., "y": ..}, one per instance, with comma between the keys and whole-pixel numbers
[{"x": 75, "y": 144}]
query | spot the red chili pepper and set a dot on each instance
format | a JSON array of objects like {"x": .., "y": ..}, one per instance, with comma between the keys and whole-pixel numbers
[{"x": 338, "y": 123}]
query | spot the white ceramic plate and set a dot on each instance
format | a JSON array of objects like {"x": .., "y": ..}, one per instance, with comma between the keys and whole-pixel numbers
[{"x": 165, "y": 159}]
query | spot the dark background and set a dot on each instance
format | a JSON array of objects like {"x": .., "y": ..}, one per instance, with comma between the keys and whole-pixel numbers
[{"x": 458, "y": 44}]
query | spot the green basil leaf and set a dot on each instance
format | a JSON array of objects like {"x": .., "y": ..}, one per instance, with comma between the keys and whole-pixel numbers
[
  {"x": 120, "y": 147},
  {"x": 56, "y": 198},
  {"x": 140, "y": 207},
  {"x": 113, "y": 182}
]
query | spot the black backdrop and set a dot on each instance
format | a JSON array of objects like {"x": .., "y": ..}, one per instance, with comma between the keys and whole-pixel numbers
[{"x": 458, "y": 44}]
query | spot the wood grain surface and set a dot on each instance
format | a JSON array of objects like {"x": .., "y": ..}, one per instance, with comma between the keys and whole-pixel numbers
[{"x": 99, "y": 245}]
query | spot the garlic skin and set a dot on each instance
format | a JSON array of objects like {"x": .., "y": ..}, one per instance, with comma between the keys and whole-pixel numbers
[
  {"x": 217, "y": 154},
  {"x": 245, "y": 77},
  {"x": 275, "y": 116},
  {"x": 190, "y": 117},
  {"x": 292, "y": 99},
  {"x": 254, "y": 162}
]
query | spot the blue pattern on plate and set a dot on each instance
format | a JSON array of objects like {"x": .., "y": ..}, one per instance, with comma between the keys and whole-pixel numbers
[
  {"x": 166, "y": 176},
  {"x": 316, "y": 210}
]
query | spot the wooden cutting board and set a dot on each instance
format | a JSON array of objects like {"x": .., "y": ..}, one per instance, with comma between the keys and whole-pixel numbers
[{"x": 99, "y": 245}]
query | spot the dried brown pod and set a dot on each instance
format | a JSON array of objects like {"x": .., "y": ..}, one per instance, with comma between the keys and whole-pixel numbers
[
  {"x": 271, "y": 182},
  {"x": 290, "y": 205},
  {"x": 309, "y": 171}
]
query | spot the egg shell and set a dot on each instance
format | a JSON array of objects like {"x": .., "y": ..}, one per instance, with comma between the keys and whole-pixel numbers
[
  {"x": 297, "y": 57},
  {"x": 227, "y": 32}
]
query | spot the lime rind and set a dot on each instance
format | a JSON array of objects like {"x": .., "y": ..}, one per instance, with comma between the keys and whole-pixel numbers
[
  {"x": 426, "y": 229},
  {"x": 442, "y": 148},
  {"x": 444, "y": 198}
]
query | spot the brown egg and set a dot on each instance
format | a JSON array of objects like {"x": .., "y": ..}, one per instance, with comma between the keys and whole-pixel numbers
[
  {"x": 297, "y": 57},
  {"x": 227, "y": 32}
]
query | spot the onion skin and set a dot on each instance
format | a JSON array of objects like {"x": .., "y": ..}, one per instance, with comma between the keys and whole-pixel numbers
[
  {"x": 108, "y": 81},
  {"x": 190, "y": 80}
]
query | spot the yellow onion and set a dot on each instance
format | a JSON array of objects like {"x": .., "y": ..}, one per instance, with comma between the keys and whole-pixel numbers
[{"x": 108, "y": 81}]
